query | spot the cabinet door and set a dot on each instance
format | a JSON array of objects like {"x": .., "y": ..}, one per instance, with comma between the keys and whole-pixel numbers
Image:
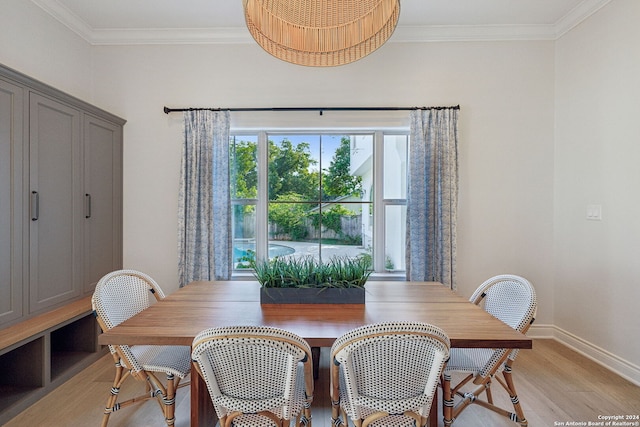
[
  {"x": 103, "y": 199},
  {"x": 55, "y": 241},
  {"x": 11, "y": 206}
]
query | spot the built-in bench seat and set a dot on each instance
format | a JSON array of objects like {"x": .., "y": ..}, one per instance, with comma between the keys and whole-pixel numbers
[{"x": 40, "y": 353}]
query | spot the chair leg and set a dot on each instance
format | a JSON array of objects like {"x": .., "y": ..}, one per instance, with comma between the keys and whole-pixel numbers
[
  {"x": 165, "y": 396},
  {"x": 487, "y": 391},
  {"x": 169, "y": 401},
  {"x": 304, "y": 419},
  {"x": 339, "y": 417},
  {"x": 315, "y": 358},
  {"x": 447, "y": 400},
  {"x": 112, "y": 406},
  {"x": 472, "y": 397},
  {"x": 336, "y": 421},
  {"x": 518, "y": 417}
]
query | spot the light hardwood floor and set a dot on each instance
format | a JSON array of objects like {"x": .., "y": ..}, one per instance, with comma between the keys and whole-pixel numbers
[{"x": 555, "y": 385}]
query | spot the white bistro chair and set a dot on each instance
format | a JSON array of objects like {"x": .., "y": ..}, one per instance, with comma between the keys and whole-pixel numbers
[
  {"x": 257, "y": 376},
  {"x": 386, "y": 374},
  {"x": 118, "y": 296},
  {"x": 511, "y": 299}
]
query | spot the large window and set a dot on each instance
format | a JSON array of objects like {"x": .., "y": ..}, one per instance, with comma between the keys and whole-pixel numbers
[{"x": 321, "y": 195}]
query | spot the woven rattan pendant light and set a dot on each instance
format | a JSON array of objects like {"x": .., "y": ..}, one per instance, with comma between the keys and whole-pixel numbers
[{"x": 321, "y": 33}]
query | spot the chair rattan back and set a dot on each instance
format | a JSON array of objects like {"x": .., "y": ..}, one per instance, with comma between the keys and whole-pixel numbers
[
  {"x": 387, "y": 373},
  {"x": 120, "y": 295},
  {"x": 256, "y": 375},
  {"x": 511, "y": 299}
]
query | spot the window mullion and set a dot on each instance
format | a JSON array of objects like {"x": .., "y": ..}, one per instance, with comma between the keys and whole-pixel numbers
[
  {"x": 378, "y": 203},
  {"x": 262, "y": 205}
]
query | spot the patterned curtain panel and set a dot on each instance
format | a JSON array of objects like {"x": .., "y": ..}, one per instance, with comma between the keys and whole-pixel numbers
[
  {"x": 433, "y": 196},
  {"x": 204, "y": 217}
]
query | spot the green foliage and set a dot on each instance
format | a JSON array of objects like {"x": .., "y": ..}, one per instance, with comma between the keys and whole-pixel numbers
[
  {"x": 247, "y": 261},
  {"x": 306, "y": 272},
  {"x": 338, "y": 181},
  {"x": 388, "y": 263},
  {"x": 331, "y": 218},
  {"x": 289, "y": 216},
  {"x": 290, "y": 171},
  {"x": 367, "y": 259},
  {"x": 244, "y": 172}
]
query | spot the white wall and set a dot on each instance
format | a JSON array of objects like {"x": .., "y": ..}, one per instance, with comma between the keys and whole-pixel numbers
[
  {"x": 597, "y": 273},
  {"x": 37, "y": 45},
  {"x": 506, "y": 156}
]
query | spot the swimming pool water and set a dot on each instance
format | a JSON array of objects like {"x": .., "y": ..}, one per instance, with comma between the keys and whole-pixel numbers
[{"x": 242, "y": 249}]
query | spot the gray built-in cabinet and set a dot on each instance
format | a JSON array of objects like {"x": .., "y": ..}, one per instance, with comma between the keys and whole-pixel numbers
[
  {"x": 11, "y": 193},
  {"x": 60, "y": 232},
  {"x": 60, "y": 197}
]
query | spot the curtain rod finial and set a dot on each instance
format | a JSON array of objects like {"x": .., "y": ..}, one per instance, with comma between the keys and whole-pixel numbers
[{"x": 166, "y": 110}]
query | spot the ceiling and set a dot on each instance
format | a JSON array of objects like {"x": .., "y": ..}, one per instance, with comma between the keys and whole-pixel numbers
[{"x": 222, "y": 21}]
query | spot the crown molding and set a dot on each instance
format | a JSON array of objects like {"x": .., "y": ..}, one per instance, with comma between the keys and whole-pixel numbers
[
  {"x": 463, "y": 33},
  {"x": 168, "y": 36},
  {"x": 235, "y": 35},
  {"x": 65, "y": 16},
  {"x": 135, "y": 36},
  {"x": 581, "y": 12}
]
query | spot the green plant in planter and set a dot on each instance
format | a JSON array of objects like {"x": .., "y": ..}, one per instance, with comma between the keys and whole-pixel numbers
[{"x": 307, "y": 272}]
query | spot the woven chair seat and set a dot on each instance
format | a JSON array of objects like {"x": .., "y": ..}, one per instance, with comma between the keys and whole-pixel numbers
[
  {"x": 470, "y": 359},
  {"x": 168, "y": 359}
]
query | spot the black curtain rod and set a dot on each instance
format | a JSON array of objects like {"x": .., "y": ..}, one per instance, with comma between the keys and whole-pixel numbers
[{"x": 168, "y": 110}]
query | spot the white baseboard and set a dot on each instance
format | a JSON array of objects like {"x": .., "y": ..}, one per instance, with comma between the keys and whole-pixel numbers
[
  {"x": 542, "y": 331},
  {"x": 599, "y": 355}
]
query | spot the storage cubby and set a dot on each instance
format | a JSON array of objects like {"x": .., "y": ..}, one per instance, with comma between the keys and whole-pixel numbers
[
  {"x": 22, "y": 373},
  {"x": 42, "y": 353},
  {"x": 72, "y": 343}
]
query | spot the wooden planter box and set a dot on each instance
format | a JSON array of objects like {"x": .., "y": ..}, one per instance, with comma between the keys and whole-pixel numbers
[{"x": 311, "y": 295}]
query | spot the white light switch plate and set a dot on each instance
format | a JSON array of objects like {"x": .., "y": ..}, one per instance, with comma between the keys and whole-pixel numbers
[{"x": 594, "y": 212}]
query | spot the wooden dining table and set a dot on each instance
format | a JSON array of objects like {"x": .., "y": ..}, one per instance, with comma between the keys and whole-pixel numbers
[{"x": 178, "y": 318}]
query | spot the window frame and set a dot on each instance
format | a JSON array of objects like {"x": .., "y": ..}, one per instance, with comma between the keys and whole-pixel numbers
[{"x": 379, "y": 202}]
